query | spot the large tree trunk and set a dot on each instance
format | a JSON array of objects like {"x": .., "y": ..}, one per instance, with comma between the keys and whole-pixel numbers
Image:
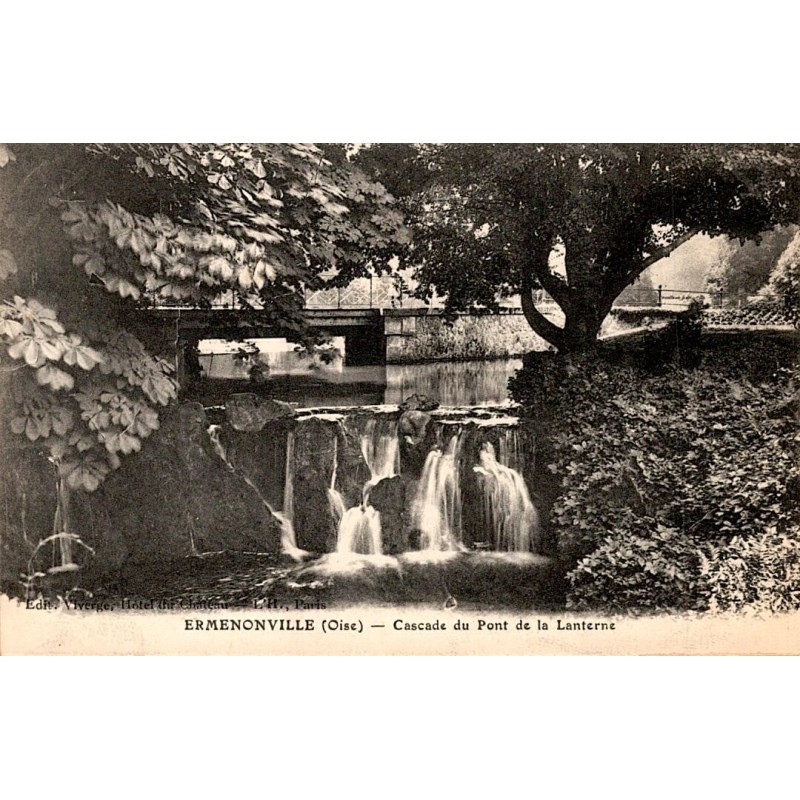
[
  {"x": 584, "y": 313},
  {"x": 584, "y": 318}
]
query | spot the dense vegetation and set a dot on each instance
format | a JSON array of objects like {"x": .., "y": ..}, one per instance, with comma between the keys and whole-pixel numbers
[
  {"x": 488, "y": 218},
  {"x": 744, "y": 269},
  {"x": 88, "y": 234},
  {"x": 677, "y": 472}
]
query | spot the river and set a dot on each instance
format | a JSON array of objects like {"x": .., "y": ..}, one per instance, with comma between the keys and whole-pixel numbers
[{"x": 309, "y": 385}]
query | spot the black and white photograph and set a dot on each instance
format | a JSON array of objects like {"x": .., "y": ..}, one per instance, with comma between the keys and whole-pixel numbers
[{"x": 400, "y": 398}]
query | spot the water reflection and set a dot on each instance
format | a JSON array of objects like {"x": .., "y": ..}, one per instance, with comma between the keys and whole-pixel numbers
[
  {"x": 309, "y": 384},
  {"x": 452, "y": 383}
]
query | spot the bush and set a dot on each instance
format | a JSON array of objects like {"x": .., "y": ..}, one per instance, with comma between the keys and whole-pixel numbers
[
  {"x": 640, "y": 567},
  {"x": 754, "y": 573},
  {"x": 679, "y": 341},
  {"x": 657, "y": 468}
]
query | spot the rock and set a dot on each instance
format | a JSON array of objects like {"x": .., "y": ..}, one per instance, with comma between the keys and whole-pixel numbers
[
  {"x": 314, "y": 451},
  {"x": 419, "y": 402},
  {"x": 417, "y": 436},
  {"x": 260, "y": 456},
  {"x": 250, "y": 412},
  {"x": 172, "y": 499},
  {"x": 388, "y": 498}
]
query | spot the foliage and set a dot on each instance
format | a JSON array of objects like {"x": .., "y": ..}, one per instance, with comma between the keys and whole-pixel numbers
[
  {"x": 90, "y": 235},
  {"x": 85, "y": 404},
  {"x": 643, "y": 566},
  {"x": 744, "y": 269},
  {"x": 761, "y": 312},
  {"x": 754, "y": 573},
  {"x": 679, "y": 341},
  {"x": 488, "y": 218},
  {"x": 465, "y": 338},
  {"x": 684, "y": 459},
  {"x": 786, "y": 280}
]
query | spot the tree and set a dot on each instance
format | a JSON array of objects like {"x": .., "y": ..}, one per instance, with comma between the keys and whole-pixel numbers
[
  {"x": 91, "y": 234},
  {"x": 785, "y": 281},
  {"x": 486, "y": 218},
  {"x": 744, "y": 269}
]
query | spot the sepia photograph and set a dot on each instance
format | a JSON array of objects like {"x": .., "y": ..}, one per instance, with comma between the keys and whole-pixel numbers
[{"x": 365, "y": 398}]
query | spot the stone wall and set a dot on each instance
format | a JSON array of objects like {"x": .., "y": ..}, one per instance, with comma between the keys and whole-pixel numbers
[{"x": 431, "y": 338}]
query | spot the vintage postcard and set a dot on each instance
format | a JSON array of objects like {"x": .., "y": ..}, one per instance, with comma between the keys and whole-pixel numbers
[{"x": 390, "y": 399}]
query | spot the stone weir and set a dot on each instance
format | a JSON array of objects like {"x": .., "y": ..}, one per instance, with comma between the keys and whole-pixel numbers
[{"x": 388, "y": 480}]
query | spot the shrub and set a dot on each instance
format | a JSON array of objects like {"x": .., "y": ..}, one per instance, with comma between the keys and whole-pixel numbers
[
  {"x": 640, "y": 567},
  {"x": 680, "y": 340},
  {"x": 656, "y": 468},
  {"x": 754, "y": 573}
]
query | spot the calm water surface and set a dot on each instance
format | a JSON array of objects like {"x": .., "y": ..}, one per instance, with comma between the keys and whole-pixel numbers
[{"x": 452, "y": 383}]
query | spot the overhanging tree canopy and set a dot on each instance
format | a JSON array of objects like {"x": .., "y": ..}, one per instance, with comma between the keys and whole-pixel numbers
[
  {"x": 487, "y": 217},
  {"x": 87, "y": 231}
]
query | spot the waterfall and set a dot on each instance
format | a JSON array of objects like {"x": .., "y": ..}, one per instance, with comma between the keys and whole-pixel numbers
[
  {"x": 381, "y": 450},
  {"x": 359, "y": 528},
  {"x": 436, "y": 510},
  {"x": 288, "y": 538},
  {"x": 335, "y": 500},
  {"x": 360, "y": 531},
  {"x": 507, "y": 506}
]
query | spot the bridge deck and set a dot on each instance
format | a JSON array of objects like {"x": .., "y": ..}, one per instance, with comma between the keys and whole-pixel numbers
[{"x": 212, "y": 318}]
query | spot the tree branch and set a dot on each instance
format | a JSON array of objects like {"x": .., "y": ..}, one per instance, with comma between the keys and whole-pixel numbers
[
  {"x": 665, "y": 251},
  {"x": 542, "y": 326},
  {"x": 554, "y": 285}
]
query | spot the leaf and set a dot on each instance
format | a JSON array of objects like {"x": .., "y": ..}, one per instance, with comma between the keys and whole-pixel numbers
[
  {"x": 90, "y": 481},
  {"x": 95, "y": 265},
  {"x": 257, "y": 168},
  {"x": 17, "y": 349},
  {"x": 6, "y": 155},
  {"x": 62, "y": 421},
  {"x": 32, "y": 429},
  {"x": 10, "y": 328},
  {"x": 33, "y": 354},
  {"x": 52, "y": 350},
  {"x": 245, "y": 278},
  {"x": 56, "y": 378},
  {"x": 58, "y": 448},
  {"x": 86, "y": 357}
]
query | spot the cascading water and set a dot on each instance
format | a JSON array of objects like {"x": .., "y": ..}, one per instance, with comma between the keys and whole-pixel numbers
[
  {"x": 360, "y": 531},
  {"x": 507, "y": 506},
  {"x": 381, "y": 451},
  {"x": 359, "y": 528},
  {"x": 288, "y": 484},
  {"x": 288, "y": 538},
  {"x": 436, "y": 511},
  {"x": 470, "y": 494}
]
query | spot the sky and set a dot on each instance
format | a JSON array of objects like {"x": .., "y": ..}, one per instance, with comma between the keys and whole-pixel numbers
[{"x": 687, "y": 266}]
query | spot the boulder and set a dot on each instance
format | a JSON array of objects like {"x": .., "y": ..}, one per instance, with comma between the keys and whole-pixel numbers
[
  {"x": 388, "y": 498},
  {"x": 250, "y": 412},
  {"x": 314, "y": 454},
  {"x": 419, "y": 402},
  {"x": 417, "y": 437},
  {"x": 177, "y": 497}
]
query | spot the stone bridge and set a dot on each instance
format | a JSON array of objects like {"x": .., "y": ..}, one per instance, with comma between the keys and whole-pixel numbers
[{"x": 369, "y": 333}]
